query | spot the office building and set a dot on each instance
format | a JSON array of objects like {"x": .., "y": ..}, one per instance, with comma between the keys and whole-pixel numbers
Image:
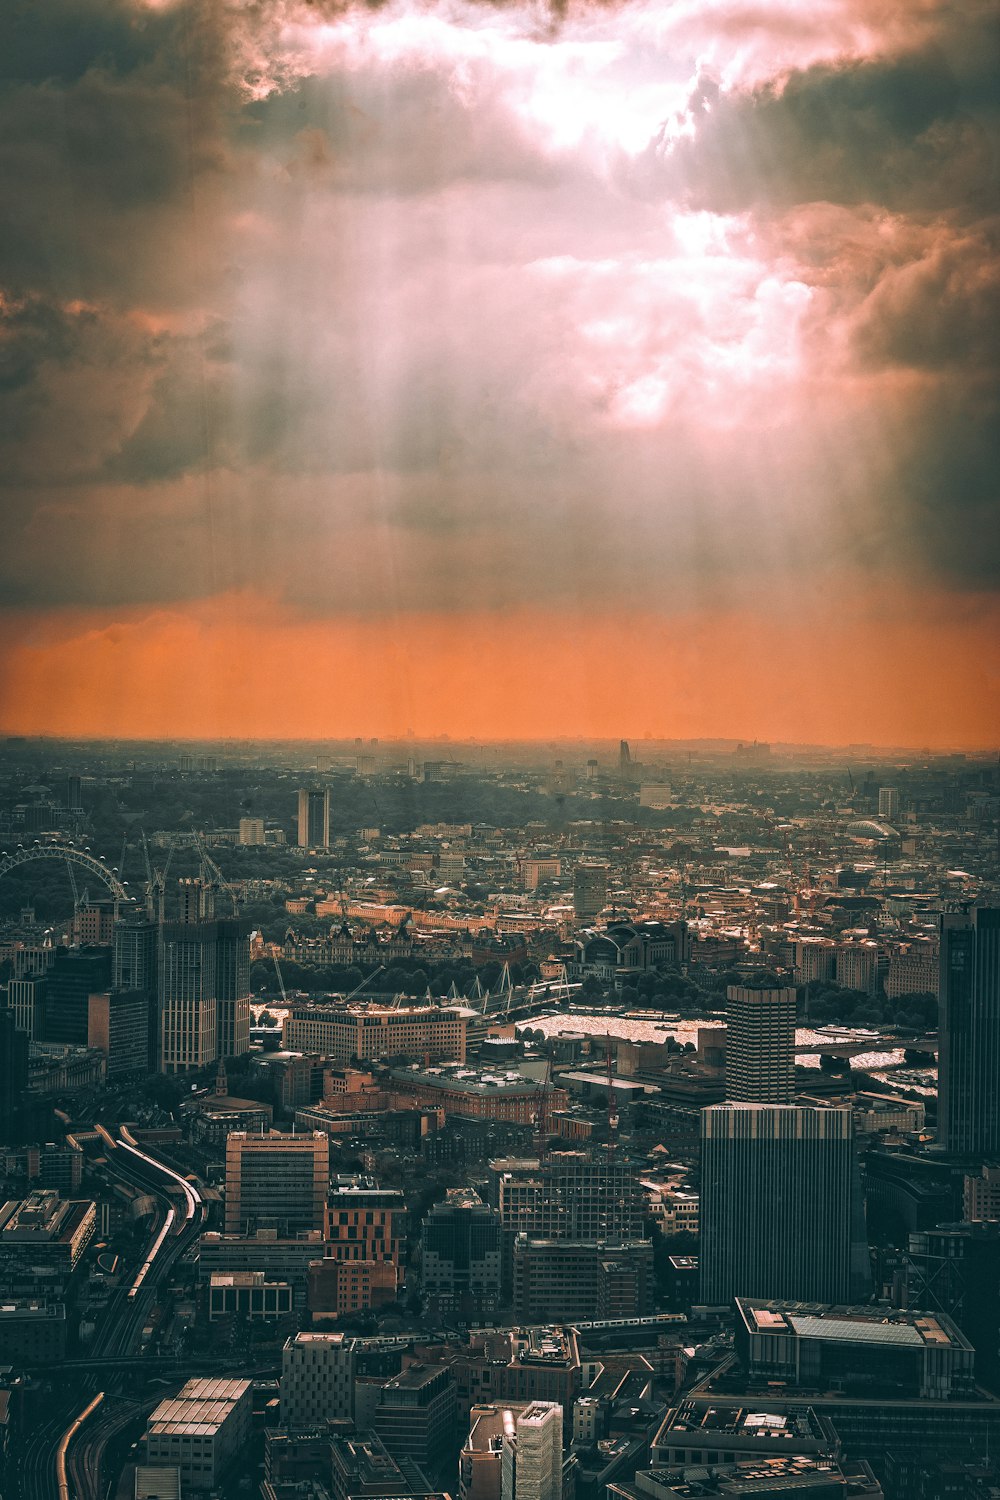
[
  {"x": 969, "y": 1030},
  {"x": 187, "y": 1003},
  {"x": 581, "y": 1280},
  {"x": 251, "y": 832},
  {"x": 75, "y": 975},
  {"x": 731, "y": 1431},
  {"x": 590, "y": 890},
  {"x": 338, "y": 1288},
  {"x": 232, "y": 987},
  {"x": 823, "y": 1477},
  {"x": 32, "y": 1333},
  {"x": 250, "y": 1295},
  {"x": 781, "y": 1210},
  {"x": 954, "y": 1269},
  {"x": 203, "y": 982},
  {"x": 573, "y": 1195},
  {"x": 480, "y": 1462},
  {"x": 13, "y": 1067},
  {"x": 26, "y": 1001},
  {"x": 461, "y": 1258},
  {"x": 981, "y": 1195},
  {"x": 865, "y": 1350},
  {"x": 314, "y": 819},
  {"x": 276, "y": 1182},
  {"x": 317, "y": 1378},
  {"x": 279, "y": 1258},
  {"x": 365, "y": 1222},
  {"x": 362, "y": 1468},
  {"x": 532, "y": 1456},
  {"x": 370, "y": 1031},
  {"x": 760, "y": 1045},
  {"x": 118, "y": 1026},
  {"x": 416, "y": 1412},
  {"x": 201, "y": 1430},
  {"x": 42, "y": 1239}
]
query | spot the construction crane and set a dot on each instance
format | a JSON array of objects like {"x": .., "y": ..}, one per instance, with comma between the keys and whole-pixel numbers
[
  {"x": 211, "y": 870},
  {"x": 281, "y": 982}
]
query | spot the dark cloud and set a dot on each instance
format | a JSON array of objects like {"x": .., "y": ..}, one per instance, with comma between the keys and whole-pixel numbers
[
  {"x": 111, "y": 149},
  {"x": 908, "y": 133}
]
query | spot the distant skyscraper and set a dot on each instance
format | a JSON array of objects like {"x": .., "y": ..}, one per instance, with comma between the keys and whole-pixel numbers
[
  {"x": 314, "y": 818},
  {"x": 624, "y": 760},
  {"x": 252, "y": 831},
  {"x": 888, "y": 802},
  {"x": 781, "y": 1209},
  {"x": 760, "y": 1045},
  {"x": 74, "y": 795},
  {"x": 590, "y": 890},
  {"x": 969, "y": 1029}
]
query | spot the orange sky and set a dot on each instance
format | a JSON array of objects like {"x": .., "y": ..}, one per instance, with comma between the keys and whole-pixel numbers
[{"x": 244, "y": 668}]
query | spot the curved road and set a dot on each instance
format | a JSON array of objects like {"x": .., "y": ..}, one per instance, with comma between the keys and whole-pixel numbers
[{"x": 118, "y": 1337}]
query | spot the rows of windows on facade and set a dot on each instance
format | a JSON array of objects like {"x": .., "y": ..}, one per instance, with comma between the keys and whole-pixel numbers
[{"x": 168, "y": 992}]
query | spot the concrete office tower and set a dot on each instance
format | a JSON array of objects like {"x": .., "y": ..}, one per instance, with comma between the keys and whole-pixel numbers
[
  {"x": 781, "y": 1208},
  {"x": 314, "y": 818},
  {"x": 969, "y": 1058},
  {"x": 760, "y": 1045},
  {"x": 590, "y": 890},
  {"x": 531, "y": 1463},
  {"x": 276, "y": 1182},
  {"x": 317, "y": 1378},
  {"x": 251, "y": 832},
  {"x": 888, "y": 802}
]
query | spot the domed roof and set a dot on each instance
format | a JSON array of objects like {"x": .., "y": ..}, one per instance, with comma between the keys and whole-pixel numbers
[{"x": 867, "y": 828}]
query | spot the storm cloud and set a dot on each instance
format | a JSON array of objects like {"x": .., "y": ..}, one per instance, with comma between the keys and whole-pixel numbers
[{"x": 372, "y": 310}]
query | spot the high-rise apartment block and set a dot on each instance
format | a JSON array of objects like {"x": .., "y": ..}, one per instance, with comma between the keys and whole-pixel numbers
[
  {"x": 317, "y": 1378},
  {"x": 590, "y": 890},
  {"x": 969, "y": 1027},
  {"x": 760, "y": 1045},
  {"x": 781, "y": 1210},
  {"x": 532, "y": 1456},
  {"x": 251, "y": 832},
  {"x": 314, "y": 818},
  {"x": 277, "y": 1182}
]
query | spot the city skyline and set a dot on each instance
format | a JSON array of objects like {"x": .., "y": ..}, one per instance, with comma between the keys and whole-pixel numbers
[{"x": 461, "y": 368}]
